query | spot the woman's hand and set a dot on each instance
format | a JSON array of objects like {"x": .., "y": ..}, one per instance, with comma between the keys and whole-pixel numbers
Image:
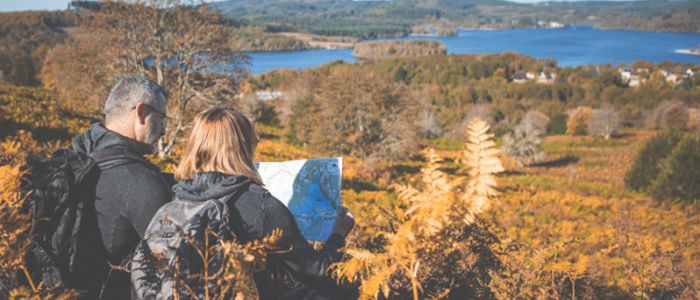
[{"x": 344, "y": 223}]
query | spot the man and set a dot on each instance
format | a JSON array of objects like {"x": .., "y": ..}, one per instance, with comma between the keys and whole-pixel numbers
[{"x": 130, "y": 190}]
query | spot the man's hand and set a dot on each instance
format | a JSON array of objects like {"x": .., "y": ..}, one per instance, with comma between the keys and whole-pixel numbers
[{"x": 344, "y": 223}]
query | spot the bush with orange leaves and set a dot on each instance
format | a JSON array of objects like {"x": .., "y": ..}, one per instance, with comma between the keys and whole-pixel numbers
[
  {"x": 437, "y": 247},
  {"x": 580, "y": 240},
  {"x": 578, "y": 121},
  {"x": 43, "y": 113},
  {"x": 14, "y": 236}
]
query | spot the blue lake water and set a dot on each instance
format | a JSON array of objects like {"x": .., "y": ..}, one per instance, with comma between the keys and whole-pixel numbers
[{"x": 572, "y": 46}]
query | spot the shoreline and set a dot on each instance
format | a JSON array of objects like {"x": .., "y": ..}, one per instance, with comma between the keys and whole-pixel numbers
[{"x": 687, "y": 51}]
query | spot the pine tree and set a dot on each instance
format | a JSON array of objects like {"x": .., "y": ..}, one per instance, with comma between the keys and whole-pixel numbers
[
  {"x": 681, "y": 178},
  {"x": 647, "y": 164}
]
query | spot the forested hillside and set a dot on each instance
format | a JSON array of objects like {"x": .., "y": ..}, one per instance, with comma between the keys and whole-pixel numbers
[
  {"x": 371, "y": 19},
  {"x": 25, "y": 37}
]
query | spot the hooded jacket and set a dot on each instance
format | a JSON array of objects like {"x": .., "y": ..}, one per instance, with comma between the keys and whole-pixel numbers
[
  {"x": 253, "y": 214},
  {"x": 127, "y": 197}
]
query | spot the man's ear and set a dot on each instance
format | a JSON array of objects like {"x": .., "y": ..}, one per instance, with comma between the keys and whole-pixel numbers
[{"x": 141, "y": 113}]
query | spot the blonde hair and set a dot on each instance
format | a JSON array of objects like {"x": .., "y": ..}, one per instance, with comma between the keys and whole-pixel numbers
[{"x": 222, "y": 140}]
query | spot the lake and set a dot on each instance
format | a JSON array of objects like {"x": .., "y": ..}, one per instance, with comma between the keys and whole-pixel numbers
[{"x": 571, "y": 46}]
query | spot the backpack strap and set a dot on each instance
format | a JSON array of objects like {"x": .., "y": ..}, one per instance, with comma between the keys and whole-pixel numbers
[{"x": 116, "y": 156}]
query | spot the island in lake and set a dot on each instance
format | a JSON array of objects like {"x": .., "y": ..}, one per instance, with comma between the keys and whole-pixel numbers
[{"x": 398, "y": 48}]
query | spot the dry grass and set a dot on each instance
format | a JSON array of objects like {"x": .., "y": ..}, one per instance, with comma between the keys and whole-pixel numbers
[{"x": 583, "y": 158}]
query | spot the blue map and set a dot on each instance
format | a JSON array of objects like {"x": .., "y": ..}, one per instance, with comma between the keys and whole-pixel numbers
[{"x": 311, "y": 190}]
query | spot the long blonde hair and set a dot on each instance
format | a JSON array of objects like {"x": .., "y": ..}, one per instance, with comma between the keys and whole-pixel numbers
[{"x": 222, "y": 140}]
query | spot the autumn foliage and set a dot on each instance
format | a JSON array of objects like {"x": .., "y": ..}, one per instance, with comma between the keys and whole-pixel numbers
[
  {"x": 352, "y": 113},
  {"x": 435, "y": 225},
  {"x": 564, "y": 228},
  {"x": 581, "y": 223},
  {"x": 15, "y": 240},
  {"x": 578, "y": 121},
  {"x": 398, "y": 48}
]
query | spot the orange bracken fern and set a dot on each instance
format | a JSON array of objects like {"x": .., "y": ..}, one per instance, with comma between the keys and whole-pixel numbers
[{"x": 444, "y": 205}]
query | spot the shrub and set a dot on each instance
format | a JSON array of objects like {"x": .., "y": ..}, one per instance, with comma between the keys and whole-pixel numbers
[
  {"x": 524, "y": 141},
  {"x": 15, "y": 240},
  {"x": 693, "y": 118},
  {"x": 259, "y": 111},
  {"x": 535, "y": 118},
  {"x": 400, "y": 74},
  {"x": 669, "y": 115},
  {"x": 439, "y": 236},
  {"x": 604, "y": 122},
  {"x": 681, "y": 177},
  {"x": 578, "y": 121},
  {"x": 647, "y": 164},
  {"x": 557, "y": 125},
  {"x": 429, "y": 125},
  {"x": 479, "y": 111}
]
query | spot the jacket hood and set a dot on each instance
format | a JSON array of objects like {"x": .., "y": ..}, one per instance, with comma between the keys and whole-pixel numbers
[
  {"x": 99, "y": 137},
  {"x": 209, "y": 185}
]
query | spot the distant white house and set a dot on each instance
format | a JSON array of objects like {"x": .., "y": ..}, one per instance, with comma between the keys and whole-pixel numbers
[
  {"x": 634, "y": 79},
  {"x": 556, "y": 25},
  {"x": 546, "y": 78},
  {"x": 690, "y": 72},
  {"x": 519, "y": 77},
  {"x": 550, "y": 24},
  {"x": 672, "y": 77},
  {"x": 530, "y": 75},
  {"x": 625, "y": 74},
  {"x": 268, "y": 95}
]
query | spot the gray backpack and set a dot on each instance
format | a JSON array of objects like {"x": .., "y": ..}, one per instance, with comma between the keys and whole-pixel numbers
[{"x": 165, "y": 246}]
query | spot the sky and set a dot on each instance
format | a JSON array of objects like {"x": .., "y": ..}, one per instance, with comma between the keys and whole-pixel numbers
[{"x": 22, "y": 5}]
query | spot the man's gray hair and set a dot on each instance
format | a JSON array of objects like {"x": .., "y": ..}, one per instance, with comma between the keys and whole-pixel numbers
[{"x": 129, "y": 91}]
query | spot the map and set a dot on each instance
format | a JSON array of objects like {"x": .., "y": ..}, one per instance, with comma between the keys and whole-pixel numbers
[{"x": 311, "y": 190}]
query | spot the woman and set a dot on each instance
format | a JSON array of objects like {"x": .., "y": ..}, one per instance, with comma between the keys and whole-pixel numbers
[{"x": 218, "y": 161}]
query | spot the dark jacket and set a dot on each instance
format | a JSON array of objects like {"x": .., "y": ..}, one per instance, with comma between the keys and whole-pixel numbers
[
  {"x": 255, "y": 213},
  {"x": 127, "y": 197}
]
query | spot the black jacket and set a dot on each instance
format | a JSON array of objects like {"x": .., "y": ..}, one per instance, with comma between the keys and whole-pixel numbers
[
  {"x": 255, "y": 213},
  {"x": 128, "y": 195}
]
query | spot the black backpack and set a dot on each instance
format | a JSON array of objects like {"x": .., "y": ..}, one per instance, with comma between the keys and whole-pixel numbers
[{"x": 67, "y": 246}]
